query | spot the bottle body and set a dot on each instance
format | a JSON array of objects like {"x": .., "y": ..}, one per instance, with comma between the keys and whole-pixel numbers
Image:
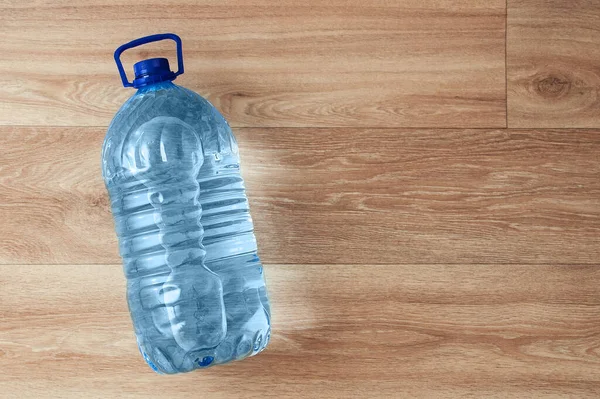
[{"x": 195, "y": 284}]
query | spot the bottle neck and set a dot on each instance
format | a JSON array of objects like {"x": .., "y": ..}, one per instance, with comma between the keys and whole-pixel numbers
[{"x": 156, "y": 86}]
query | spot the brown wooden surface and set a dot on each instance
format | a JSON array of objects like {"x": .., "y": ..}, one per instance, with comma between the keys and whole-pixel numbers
[
  {"x": 413, "y": 245},
  {"x": 553, "y": 60},
  {"x": 341, "y": 331},
  {"x": 264, "y": 63},
  {"x": 337, "y": 195}
]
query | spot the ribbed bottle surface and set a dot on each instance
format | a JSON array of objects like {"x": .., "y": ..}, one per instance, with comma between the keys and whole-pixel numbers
[{"x": 195, "y": 284}]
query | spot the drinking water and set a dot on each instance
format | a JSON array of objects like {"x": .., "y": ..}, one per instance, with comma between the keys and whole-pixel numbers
[{"x": 195, "y": 285}]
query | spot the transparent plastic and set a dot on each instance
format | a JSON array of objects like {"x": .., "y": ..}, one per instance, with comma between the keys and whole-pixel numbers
[{"x": 195, "y": 285}]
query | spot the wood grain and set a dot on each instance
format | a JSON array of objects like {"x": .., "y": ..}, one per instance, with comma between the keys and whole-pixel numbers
[
  {"x": 312, "y": 63},
  {"x": 406, "y": 255},
  {"x": 497, "y": 331},
  {"x": 553, "y": 63},
  {"x": 336, "y": 196}
]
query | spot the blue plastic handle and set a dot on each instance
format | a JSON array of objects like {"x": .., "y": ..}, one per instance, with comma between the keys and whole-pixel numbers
[{"x": 145, "y": 40}]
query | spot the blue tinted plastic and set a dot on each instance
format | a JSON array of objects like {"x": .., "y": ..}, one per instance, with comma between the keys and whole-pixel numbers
[{"x": 195, "y": 284}]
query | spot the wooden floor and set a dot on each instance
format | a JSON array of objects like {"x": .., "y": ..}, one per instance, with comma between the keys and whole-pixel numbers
[{"x": 424, "y": 177}]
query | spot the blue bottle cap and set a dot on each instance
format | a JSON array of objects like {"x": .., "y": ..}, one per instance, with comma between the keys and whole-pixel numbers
[
  {"x": 150, "y": 71},
  {"x": 153, "y": 70}
]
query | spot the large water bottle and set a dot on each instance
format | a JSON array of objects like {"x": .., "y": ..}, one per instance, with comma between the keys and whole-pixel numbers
[{"x": 195, "y": 284}]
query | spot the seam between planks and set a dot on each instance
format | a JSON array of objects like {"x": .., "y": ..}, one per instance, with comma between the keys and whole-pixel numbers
[
  {"x": 506, "y": 60},
  {"x": 338, "y": 264},
  {"x": 589, "y": 129}
]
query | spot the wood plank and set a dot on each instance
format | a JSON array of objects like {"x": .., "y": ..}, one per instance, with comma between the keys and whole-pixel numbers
[
  {"x": 495, "y": 331},
  {"x": 336, "y": 196},
  {"x": 312, "y": 63},
  {"x": 553, "y": 63}
]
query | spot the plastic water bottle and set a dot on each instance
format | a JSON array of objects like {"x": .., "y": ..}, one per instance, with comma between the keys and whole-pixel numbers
[{"x": 195, "y": 284}]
